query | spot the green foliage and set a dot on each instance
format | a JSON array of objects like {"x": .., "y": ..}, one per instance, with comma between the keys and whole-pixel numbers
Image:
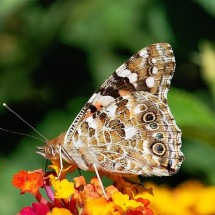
[
  {"x": 194, "y": 117},
  {"x": 197, "y": 123}
]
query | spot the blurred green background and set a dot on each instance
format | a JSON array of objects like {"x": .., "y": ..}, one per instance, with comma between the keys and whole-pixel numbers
[{"x": 55, "y": 53}]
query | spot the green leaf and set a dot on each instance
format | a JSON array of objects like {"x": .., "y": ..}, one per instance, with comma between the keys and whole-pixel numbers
[{"x": 193, "y": 116}]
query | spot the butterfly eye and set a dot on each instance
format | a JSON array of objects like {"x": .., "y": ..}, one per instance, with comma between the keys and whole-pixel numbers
[
  {"x": 158, "y": 148},
  {"x": 50, "y": 151},
  {"x": 149, "y": 117}
]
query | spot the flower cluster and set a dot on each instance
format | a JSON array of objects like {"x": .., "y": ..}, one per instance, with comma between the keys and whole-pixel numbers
[
  {"x": 79, "y": 197},
  {"x": 190, "y": 198}
]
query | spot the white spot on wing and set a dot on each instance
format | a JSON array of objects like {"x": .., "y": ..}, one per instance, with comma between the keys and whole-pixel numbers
[
  {"x": 130, "y": 132},
  {"x": 127, "y": 73},
  {"x": 143, "y": 53},
  {"x": 159, "y": 49},
  {"x": 137, "y": 108},
  {"x": 150, "y": 82},
  {"x": 111, "y": 110},
  {"x": 154, "y": 60},
  {"x": 78, "y": 144},
  {"x": 103, "y": 100},
  {"x": 154, "y": 70},
  {"x": 133, "y": 77},
  {"x": 124, "y": 73},
  {"x": 89, "y": 119},
  {"x": 92, "y": 122}
]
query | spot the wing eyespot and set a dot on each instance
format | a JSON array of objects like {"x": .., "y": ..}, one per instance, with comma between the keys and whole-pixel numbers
[
  {"x": 154, "y": 125},
  {"x": 149, "y": 117},
  {"x": 159, "y": 136},
  {"x": 158, "y": 149}
]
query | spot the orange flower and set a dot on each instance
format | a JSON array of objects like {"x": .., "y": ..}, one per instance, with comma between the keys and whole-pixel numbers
[
  {"x": 28, "y": 181},
  {"x": 110, "y": 190},
  {"x": 79, "y": 181}
]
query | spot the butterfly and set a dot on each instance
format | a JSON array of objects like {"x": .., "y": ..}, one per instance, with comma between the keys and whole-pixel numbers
[{"x": 126, "y": 128}]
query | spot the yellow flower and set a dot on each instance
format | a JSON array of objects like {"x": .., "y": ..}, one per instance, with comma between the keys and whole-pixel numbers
[
  {"x": 189, "y": 198},
  {"x": 123, "y": 202},
  {"x": 98, "y": 206},
  {"x": 63, "y": 189},
  {"x": 66, "y": 168},
  {"x": 59, "y": 211},
  {"x": 206, "y": 204}
]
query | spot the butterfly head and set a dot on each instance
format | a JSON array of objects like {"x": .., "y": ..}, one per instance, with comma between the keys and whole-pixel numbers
[{"x": 51, "y": 150}]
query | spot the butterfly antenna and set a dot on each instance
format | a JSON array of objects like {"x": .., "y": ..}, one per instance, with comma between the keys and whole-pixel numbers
[
  {"x": 5, "y": 105},
  {"x": 23, "y": 134}
]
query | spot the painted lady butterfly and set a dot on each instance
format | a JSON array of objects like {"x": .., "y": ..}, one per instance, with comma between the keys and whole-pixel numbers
[{"x": 126, "y": 128}]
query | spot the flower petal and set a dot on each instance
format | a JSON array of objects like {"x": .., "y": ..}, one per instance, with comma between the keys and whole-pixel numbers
[
  {"x": 60, "y": 211},
  {"x": 123, "y": 202},
  {"x": 63, "y": 189},
  {"x": 98, "y": 206},
  {"x": 28, "y": 181},
  {"x": 36, "y": 209}
]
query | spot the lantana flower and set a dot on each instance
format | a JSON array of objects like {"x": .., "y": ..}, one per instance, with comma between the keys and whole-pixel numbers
[
  {"x": 78, "y": 197},
  {"x": 30, "y": 181}
]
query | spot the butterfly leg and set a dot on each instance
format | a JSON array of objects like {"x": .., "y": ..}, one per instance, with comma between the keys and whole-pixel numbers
[
  {"x": 61, "y": 162},
  {"x": 100, "y": 181}
]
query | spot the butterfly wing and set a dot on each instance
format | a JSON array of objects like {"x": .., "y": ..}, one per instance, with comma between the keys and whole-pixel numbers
[{"x": 116, "y": 128}]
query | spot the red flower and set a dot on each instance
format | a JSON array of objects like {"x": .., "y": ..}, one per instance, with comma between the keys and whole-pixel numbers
[
  {"x": 36, "y": 209},
  {"x": 134, "y": 213}
]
